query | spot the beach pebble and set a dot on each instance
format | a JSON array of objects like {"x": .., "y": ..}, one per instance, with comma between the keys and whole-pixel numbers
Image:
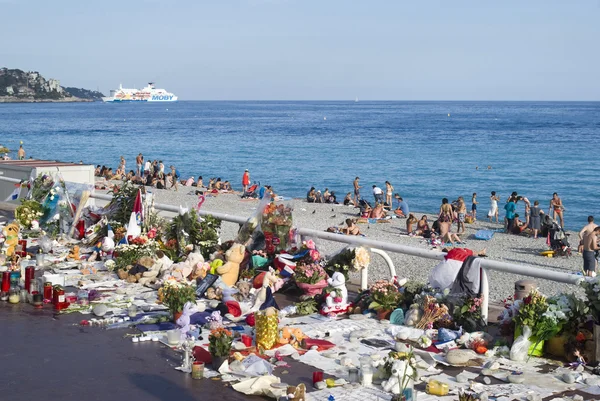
[
  {"x": 483, "y": 396},
  {"x": 320, "y": 385},
  {"x": 460, "y": 356},
  {"x": 492, "y": 365},
  {"x": 568, "y": 378},
  {"x": 534, "y": 397},
  {"x": 516, "y": 379},
  {"x": 487, "y": 380},
  {"x": 100, "y": 310},
  {"x": 577, "y": 397},
  {"x": 487, "y": 372}
]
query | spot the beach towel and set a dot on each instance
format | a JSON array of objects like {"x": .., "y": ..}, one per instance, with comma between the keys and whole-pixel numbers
[{"x": 484, "y": 235}]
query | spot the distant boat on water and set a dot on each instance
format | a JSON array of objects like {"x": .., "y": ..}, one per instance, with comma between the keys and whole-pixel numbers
[
  {"x": 356, "y": 100},
  {"x": 148, "y": 94}
]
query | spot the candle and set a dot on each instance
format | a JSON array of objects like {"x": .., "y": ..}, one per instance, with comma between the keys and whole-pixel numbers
[
  {"x": 317, "y": 377},
  {"x": 198, "y": 370},
  {"x": 366, "y": 375}
]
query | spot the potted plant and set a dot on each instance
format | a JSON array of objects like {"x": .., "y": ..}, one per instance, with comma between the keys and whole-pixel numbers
[
  {"x": 311, "y": 278},
  {"x": 531, "y": 313},
  {"x": 219, "y": 346},
  {"x": 175, "y": 296},
  {"x": 384, "y": 297}
]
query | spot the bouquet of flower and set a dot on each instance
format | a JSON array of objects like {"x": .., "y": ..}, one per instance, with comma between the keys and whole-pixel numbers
[
  {"x": 348, "y": 260},
  {"x": 276, "y": 225},
  {"x": 41, "y": 187},
  {"x": 530, "y": 310},
  {"x": 28, "y": 211},
  {"x": 592, "y": 292},
  {"x": 384, "y": 295},
  {"x": 220, "y": 341},
  {"x": 432, "y": 311},
  {"x": 128, "y": 254},
  {"x": 467, "y": 313},
  {"x": 311, "y": 273}
]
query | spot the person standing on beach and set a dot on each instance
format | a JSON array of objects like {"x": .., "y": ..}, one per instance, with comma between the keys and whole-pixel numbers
[
  {"x": 389, "y": 190},
  {"x": 589, "y": 227},
  {"x": 21, "y": 153},
  {"x": 446, "y": 214},
  {"x": 139, "y": 161},
  {"x": 590, "y": 246},
  {"x": 474, "y": 204},
  {"x": 161, "y": 167},
  {"x": 462, "y": 212},
  {"x": 535, "y": 219},
  {"x": 245, "y": 180},
  {"x": 557, "y": 207},
  {"x": 147, "y": 167},
  {"x": 377, "y": 194},
  {"x": 174, "y": 177},
  {"x": 357, "y": 188},
  {"x": 493, "y": 207},
  {"x": 510, "y": 209}
]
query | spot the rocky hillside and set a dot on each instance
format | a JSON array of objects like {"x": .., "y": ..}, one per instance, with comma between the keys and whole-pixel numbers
[{"x": 20, "y": 86}]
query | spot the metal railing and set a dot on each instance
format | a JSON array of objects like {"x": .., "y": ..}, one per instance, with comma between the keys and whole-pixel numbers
[{"x": 379, "y": 247}]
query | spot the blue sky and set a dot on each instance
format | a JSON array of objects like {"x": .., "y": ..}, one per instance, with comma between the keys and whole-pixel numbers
[{"x": 313, "y": 50}]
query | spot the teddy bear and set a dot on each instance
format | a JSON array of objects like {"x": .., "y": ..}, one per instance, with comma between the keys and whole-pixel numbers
[
  {"x": 413, "y": 315},
  {"x": 11, "y": 235},
  {"x": 336, "y": 301},
  {"x": 229, "y": 272},
  {"x": 74, "y": 254},
  {"x": 401, "y": 376},
  {"x": 180, "y": 271},
  {"x": 297, "y": 393},
  {"x": 135, "y": 273},
  {"x": 243, "y": 293},
  {"x": 160, "y": 264}
]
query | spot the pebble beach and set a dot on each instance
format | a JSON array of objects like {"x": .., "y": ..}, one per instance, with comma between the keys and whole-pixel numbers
[{"x": 503, "y": 247}]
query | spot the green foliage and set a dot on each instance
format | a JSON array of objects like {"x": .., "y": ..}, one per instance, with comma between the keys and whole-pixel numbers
[
  {"x": 121, "y": 205},
  {"x": 188, "y": 229},
  {"x": 219, "y": 342},
  {"x": 176, "y": 296},
  {"x": 410, "y": 290},
  {"x": 28, "y": 211},
  {"x": 342, "y": 262},
  {"x": 307, "y": 307}
]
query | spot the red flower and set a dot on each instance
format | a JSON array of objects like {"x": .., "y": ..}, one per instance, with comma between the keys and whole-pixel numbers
[
  {"x": 527, "y": 300},
  {"x": 580, "y": 337},
  {"x": 337, "y": 299}
]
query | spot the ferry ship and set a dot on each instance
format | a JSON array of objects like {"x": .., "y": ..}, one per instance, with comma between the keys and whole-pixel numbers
[{"x": 148, "y": 94}]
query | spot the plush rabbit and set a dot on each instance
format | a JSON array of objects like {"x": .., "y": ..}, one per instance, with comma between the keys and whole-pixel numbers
[{"x": 184, "y": 320}]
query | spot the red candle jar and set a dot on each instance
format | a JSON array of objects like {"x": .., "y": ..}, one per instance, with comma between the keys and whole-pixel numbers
[
  {"x": 317, "y": 377},
  {"x": 59, "y": 298},
  {"x": 29, "y": 275},
  {"x": 48, "y": 292},
  {"x": 5, "y": 281},
  {"x": 23, "y": 245}
]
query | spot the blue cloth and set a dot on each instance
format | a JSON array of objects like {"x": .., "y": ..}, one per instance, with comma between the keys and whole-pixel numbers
[
  {"x": 261, "y": 192},
  {"x": 485, "y": 235},
  {"x": 510, "y": 208},
  {"x": 402, "y": 205}
]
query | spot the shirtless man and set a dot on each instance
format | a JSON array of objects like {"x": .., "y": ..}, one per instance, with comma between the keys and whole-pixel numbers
[
  {"x": 590, "y": 246},
  {"x": 352, "y": 228},
  {"x": 21, "y": 153},
  {"x": 462, "y": 211},
  {"x": 356, "y": 191},
  {"x": 589, "y": 227},
  {"x": 446, "y": 235}
]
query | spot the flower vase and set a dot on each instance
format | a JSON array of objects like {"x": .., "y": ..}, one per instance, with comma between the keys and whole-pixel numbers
[
  {"x": 556, "y": 346},
  {"x": 384, "y": 314},
  {"x": 312, "y": 290},
  {"x": 534, "y": 349},
  {"x": 218, "y": 361}
]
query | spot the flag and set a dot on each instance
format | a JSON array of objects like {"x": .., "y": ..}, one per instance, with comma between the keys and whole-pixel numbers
[
  {"x": 111, "y": 233},
  {"x": 138, "y": 208},
  {"x": 123, "y": 241},
  {"x": 15, "y": 194},
  {"x": 133, "y": 229}
]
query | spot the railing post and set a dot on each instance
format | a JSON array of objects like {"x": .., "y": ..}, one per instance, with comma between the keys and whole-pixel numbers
[{"x": 485, "y": 295}]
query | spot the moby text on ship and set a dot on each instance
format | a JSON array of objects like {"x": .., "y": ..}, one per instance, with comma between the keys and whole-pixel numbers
[{"x": 147, "y": 94}]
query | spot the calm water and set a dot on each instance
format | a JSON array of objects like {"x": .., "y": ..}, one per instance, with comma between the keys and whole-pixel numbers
[{"x": 533, "y": 148}]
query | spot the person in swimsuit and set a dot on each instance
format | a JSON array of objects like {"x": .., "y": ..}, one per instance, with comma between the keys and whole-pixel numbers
[
  {"x": 589, "y": 227},
  {"x": 462, "y": 211},
  {"x": 474, "y": 206},
  {"x": 377, "y": 212},
  {"x": 245, "y": 180},
  {"x": 446, "y": 235},
  {"x": 410, "y": 222},
  {"x": 590, "y": 246},
  {"x": 423, "y": 227},
  {"x": 357, "y": 188},
  {"x": 493, "y": 207},
  {"x": 446, "y": 214},
  {"x": 352, "y": 228},
  {"x": 389, "y": 190},
  {"x": 348, "y": 200},
  {"x": 557, "y": 207}
]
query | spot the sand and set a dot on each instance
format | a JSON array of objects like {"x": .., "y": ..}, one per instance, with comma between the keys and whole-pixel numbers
[{"x": 503, "y": 247}]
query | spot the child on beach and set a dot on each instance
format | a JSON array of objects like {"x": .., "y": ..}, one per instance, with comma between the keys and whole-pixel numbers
[
  {"x": 474, "y": 204},
  {"x": 462, "y": 212}
]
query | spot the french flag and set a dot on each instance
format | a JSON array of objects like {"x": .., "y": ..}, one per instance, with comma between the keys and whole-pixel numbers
[
  {"x": 15, "y": 194},
  {"x": 138, "y": 208}
]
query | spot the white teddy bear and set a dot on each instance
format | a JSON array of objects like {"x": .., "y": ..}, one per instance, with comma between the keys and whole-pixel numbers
[{"x": 401, "y": 377}]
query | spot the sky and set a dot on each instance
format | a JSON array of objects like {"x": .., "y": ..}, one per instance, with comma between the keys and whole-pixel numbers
[{"x": 312, "y": 50}]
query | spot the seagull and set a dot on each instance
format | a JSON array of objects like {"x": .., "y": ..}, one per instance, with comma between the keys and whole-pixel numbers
[
  {"x": 333, "y": 217},
  {"x": 314, "y": 211}
]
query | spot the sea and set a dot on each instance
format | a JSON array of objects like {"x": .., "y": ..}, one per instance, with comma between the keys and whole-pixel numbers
[{"x": 427, "y": 150}]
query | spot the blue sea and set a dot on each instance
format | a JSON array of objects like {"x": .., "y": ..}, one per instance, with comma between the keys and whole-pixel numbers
[{"x": 427, "y": 150}]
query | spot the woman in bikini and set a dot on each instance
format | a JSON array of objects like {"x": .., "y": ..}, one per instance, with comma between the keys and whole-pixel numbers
[
  {"x": 446, "y": 214},
  {"x": 557, "y": 208},
  {"x": 423, "y": 227},
  {"x": 389, "y": 190},
  {"x": 410, "y": 222}
]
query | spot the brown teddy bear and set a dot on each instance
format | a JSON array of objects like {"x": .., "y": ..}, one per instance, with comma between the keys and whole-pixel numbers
[
  {"x": 230, "y": 271},
  {"x": 11, "y": 234},
  {"x": 74, "y": 254}
]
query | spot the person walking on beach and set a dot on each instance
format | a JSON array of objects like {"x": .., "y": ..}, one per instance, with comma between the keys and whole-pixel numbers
[
  {"x": 510, "y": 209},
  {"x": 21, "y": 153},
  {"x": 474, "y": 204},
  {"x": 377, "y": 194},
  {"x": 589, "y": 227},
  {"x": 389, "y": 190},
  {"x": 462, "y": 212},
  {"x": 535, "y": 218},
  {"x": 357, "y": 188},
  {"x": 557, "y": 207},
  {"x": 139, "y": 161},
  {"x": 493, "y": 207},
  {"x": 590, "y": 246},
  {"x": 245, "y": 180},
  {"x": 174, "y": 177}
]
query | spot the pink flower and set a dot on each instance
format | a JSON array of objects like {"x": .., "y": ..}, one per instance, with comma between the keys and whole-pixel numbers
[{"x": 337, "y": 299}]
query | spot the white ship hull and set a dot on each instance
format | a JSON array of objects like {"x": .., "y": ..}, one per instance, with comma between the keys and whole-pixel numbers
[{"x": 148, "y": 94}]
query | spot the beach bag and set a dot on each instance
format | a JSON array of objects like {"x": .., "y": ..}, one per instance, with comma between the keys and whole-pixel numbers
[{"x": 469, "y": 219}]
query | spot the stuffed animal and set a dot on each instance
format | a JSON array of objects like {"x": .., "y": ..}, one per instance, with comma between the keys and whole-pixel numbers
[
  {"x": 266, "y": 290},
  {"x": 401, "y": 375},
  {"x": 336, "y": 301},
  {"x": 11, "y": 235},
  {"x": 162, "y": 263},
  {"x": 230, "y": 271},
  {"x": 243, "y": 294},
  {"x": 74, "y": 254},
  {"x": 214, "y": 294},
  {"x": 412, "y": 316},
  {"x": 136, "y": 272},
  {"x": 184, "y": 320},
  {"x": 297, "y": 393},
  {"x": 180, "y": 271}
]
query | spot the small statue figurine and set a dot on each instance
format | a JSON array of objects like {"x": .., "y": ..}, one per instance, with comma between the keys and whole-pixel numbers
[
  {"x": 188, "y": 358},
  {"x": 336, "y": 301},
  {"x": 580, "y": 360}
]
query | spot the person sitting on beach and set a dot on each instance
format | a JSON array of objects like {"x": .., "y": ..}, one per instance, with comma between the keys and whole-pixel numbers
[
  {"x": 377, "y": 212},
  {"x": 423, "y": 228},
  {"x": 326, "y": 194},
  {"x": 402, "y": 209},
  {"x": 311, "y": 195},
  {"x": 410, "y": 222},
  {"x": 518, "y": 225},
  {"x": 319, "y": 197},
  {"x": 348, "y": 200},
  {"x": 226, "y": 186},
  {"x": 331, "y": 198},
  {"x": 200, "y": 182},
  {"x": 189, "y": 182},
  {"x": 446, "y": 234},
  {"x": 351, "y": 229},
  {"x": 218, "y": 184},
  {"x": 211, "y": 184},
  {"x": 160, "y": 180},
  {"x": 97, "y": 171}
]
